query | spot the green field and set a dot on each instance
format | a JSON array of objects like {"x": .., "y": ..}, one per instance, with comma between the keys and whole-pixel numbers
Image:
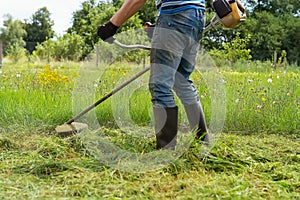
[{"x": 257, "y": 156}]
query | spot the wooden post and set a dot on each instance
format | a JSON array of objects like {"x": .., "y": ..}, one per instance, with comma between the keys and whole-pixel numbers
[
  {"x": 48, "y": 56},
  {"x": 1, "y": 54},
  {"x": 284, "y": 59},
  {"x": 97, "y": 56},
  {"x": 275, "y": 59}
]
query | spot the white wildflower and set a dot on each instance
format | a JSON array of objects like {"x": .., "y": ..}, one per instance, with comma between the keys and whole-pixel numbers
[{"x": 270, "y": 80}]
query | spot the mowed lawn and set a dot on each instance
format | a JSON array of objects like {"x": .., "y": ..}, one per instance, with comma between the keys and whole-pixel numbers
[{"x": 257, "y": 155}]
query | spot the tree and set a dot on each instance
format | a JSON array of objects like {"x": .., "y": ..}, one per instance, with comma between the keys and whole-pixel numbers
[
  {"x": 90, "y": 16},
  {"x": 267, "y": 35},
  {"x": 87, "y": 19},
  {"x": 276, "y": 7},
  {"x": 147, "y": 13},
  {"x": 290, "y": 43},
  {"x": 274, "y": 26},
  {"x": 38, "y": 28},
  {"x": 12, "y": 37}
]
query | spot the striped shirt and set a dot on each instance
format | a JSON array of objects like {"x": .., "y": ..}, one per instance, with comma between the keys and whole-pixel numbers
[{"x": 175, "y": 6}]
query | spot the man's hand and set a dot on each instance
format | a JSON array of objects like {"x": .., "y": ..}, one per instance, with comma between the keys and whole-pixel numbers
[{"x": 107, "y": 31}]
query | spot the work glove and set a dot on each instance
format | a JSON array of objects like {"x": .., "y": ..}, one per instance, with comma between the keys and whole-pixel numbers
[{"x": 107, "y": 31}]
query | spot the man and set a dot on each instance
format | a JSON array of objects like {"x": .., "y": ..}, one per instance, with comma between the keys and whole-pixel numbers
[{"x": 175, "y": 44}]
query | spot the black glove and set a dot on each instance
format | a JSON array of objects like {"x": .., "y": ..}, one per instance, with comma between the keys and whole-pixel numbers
[{"x": 106, "y": 31}]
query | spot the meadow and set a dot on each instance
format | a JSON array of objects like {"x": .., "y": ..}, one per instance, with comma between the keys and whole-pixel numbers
[{"x": 257, "y": 155}]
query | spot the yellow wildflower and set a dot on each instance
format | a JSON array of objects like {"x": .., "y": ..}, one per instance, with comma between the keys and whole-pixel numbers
[{"x": 264, "y": 99}]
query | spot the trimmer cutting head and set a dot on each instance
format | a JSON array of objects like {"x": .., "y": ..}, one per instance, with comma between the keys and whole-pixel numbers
[{"x": 67, "y": 130}]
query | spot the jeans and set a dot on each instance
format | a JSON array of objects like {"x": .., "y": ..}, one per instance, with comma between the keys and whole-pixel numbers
[{"x": 175, "y": 45}]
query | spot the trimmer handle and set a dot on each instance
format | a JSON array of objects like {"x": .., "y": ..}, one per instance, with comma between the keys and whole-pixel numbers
[{"x": 149, "y": 28}]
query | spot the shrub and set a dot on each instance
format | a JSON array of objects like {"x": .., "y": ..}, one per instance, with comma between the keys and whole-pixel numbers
[
  {"x": 67, "y": 47},
  {"x": 232, "y": 51}
]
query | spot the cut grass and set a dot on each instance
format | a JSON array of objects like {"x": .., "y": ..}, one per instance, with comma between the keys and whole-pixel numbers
[{"x": 39, "y": 165}]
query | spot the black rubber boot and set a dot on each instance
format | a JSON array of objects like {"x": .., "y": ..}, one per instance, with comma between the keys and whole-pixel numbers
[
  {"x": 166, "y": 126},
  {"x": 197, "y": 122}
]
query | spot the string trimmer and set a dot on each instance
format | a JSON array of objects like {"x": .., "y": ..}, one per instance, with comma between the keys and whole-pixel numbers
[
  {"x": 227, "y": 13},
  {"x": 72, "y": 127}
]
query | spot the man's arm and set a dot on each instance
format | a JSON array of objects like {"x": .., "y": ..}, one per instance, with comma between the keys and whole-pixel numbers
[{"x": 128, "y": 9}]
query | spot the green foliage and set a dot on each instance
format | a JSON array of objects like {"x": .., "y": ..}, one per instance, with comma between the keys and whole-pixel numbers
[
  {"x": 87, "y": 19},
  {"x": 12, "y": 37},
  {"x": 15, "y": 52},
  {"x": 38, "y": 29},
  {"x": 282, "y": 61},
  {"x": 273, "y": 33},
  {"x": 236, "y": 49},
  {"x": 67, "y": 47},
  {"x": 273, "y": 26},
  {"x": 291, "y": 29},
  {"x": 147, "y": 13},
  {"x": 44, "y": 50},
  {"x": 232, "y": 51},
  {"x": 268, "y": 35},
  {"x": 93, "y": 14},
  {"x": 276, "y": 7}
]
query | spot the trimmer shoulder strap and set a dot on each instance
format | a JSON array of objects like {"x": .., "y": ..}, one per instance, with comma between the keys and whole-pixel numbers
[{"x": 222, "y": 8}]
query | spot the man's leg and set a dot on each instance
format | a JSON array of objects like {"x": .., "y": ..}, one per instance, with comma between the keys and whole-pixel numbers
[
  {"x": 171, "y": 37},
  {"x": 166, "y": 123},
  {"x": 197, "y": 122},
  {"x": 188, "y": 95},
  {"x": 165, "y": 111}
]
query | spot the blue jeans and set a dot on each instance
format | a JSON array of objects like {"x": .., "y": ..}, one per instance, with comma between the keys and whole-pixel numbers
[{"x": 175, "y": 45}]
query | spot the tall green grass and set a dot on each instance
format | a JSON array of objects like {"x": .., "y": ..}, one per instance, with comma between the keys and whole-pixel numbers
[
  {"x": 263, "y": 102},
  {"x": 27, "y": 100},
  {"x": 255, "y": 102}
]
